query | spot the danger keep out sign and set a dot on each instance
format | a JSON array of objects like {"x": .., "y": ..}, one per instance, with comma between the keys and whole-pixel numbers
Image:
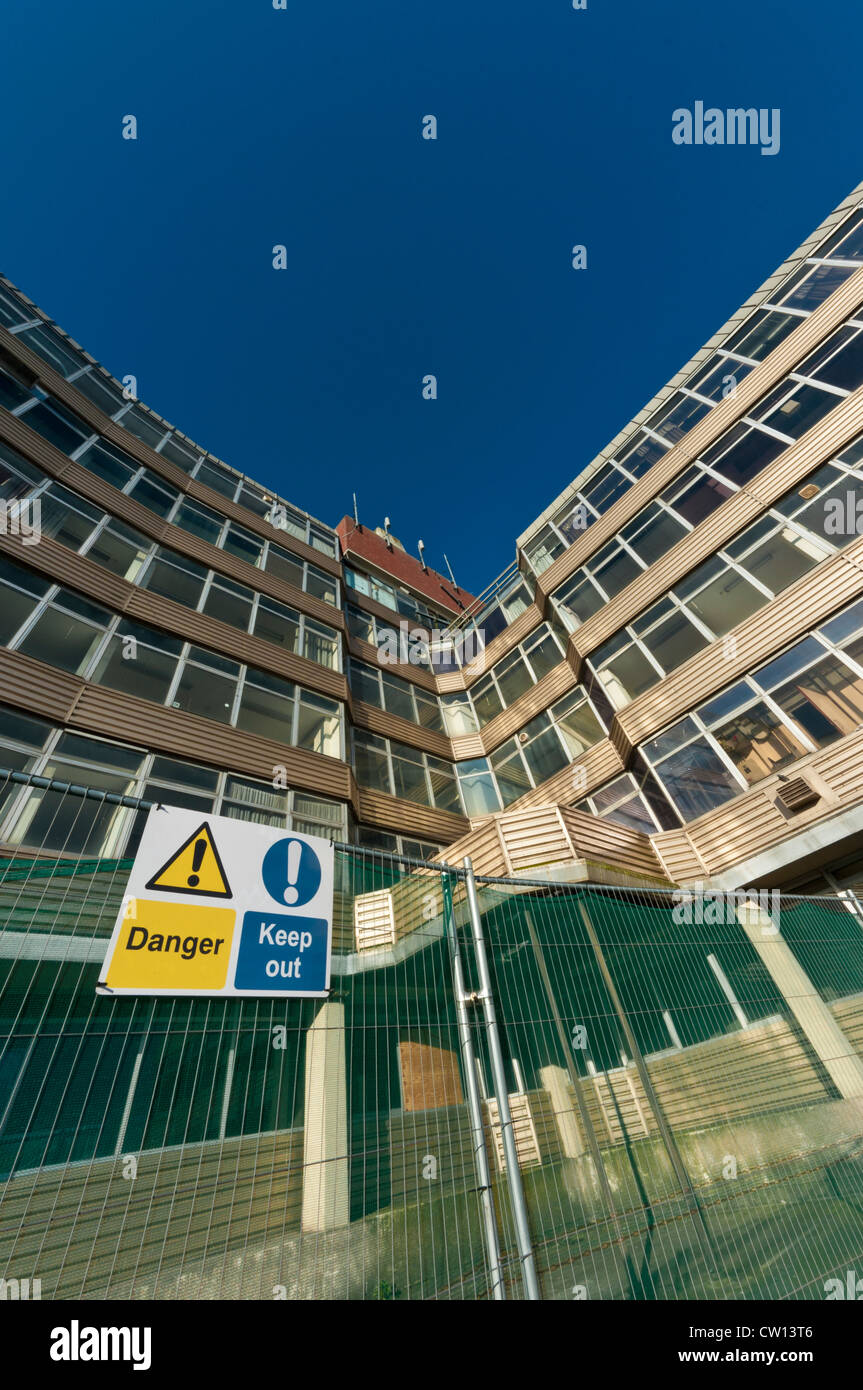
[{"x": 221, "y": 906}]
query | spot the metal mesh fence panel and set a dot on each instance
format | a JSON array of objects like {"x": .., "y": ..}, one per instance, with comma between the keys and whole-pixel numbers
[
  {"x": 690, "y": 1085},
  {"x": 684, "y": 1077}
]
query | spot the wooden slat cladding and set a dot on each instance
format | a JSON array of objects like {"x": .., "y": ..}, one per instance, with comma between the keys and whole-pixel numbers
[
  {"x": 734, "y": 832},
  {"x": 387, "y": 812},
  {"x": 450, "y": 682},
  {"x": 826, "y": 439},
  {"x": 36, "y": 688},
  {"x": 718, "y": 340},
  {"x": 65, "y": 392},
  {"x": 600, "y": 762},
  {"x": 753, "y": 823},
  {"x": 678, "y": 856},
  {"x": 53, "y": 559},
  {"x": 39, "y": 689},
  {"x": 386, "y": 615},
  {"x": 378, "y": 721},
  {"x": 598, "y": 838},
  {"x": 652, "y": 583},
  {"x": 429, "y": 1075},
  {"x": 533, "y": 838},
  {"x": 804, "y": 605},
  {"x": 556, "y": 683},
  {"x": 115, "y": 715},
  {"x": 513, "y": 842},
  {"x": 55, "y": 463},
  {"x": 230, "y": 641},
  {"x": 467, "y": 746},
  {"x": 502, "y": 644},
  {"x": 483, "y": 846},
  {"x": 63, "y": 566},
  {"x": 841, "y": 767},
  {"x": 417, "y": 675},
  {"x": 782, "y": 360}
]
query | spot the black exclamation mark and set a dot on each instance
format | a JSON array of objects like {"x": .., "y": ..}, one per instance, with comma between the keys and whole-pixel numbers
[{"x": 197, "y": 860}]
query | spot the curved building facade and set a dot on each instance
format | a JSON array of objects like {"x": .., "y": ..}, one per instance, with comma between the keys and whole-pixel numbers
[{"x": 663, "y": 692}]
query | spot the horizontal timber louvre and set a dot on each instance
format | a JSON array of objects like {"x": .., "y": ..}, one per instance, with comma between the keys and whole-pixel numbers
[{"x": 684, "y": 1078}]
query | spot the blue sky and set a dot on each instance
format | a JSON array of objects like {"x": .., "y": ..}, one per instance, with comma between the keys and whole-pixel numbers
[{"x": 406, "y": 257}]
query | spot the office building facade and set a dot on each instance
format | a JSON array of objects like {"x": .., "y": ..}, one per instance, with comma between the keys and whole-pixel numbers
[
  {"x": 674, "y": 645},
  {"x": 664, "y": 690}
]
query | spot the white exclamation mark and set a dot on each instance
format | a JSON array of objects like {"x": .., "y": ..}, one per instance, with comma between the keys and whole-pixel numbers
[{"x": 295, "y": 854}]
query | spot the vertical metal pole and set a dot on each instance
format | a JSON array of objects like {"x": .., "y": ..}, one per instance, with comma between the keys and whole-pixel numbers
[
  {"x": 513, "y": 1172},
  {"x": 474, "y": 1106},
  {"x": 575, "y": 1080},
  {"x": 677, "y": 1164}
]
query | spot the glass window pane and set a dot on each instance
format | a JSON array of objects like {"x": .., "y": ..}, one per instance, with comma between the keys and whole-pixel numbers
[
  {"x": 757, "y": 742},
  {"x": 199, "y": 522},
  {"x": 243, "y": 544},
  {"x": 266, "y": 713},
  {"x": 371, "y": 765},
  {"x": 826, "y": 700},
  {"x": 109, "y": 464},
  {"x": 204, "y": 692},
  {"x": 761, "y": 333},
  {"x": 321, "y": 585},
  {"x": 397, "y": 697},
  {"x": 615, "y": 570},
  {"x": 444, "y": 786},
  {"x": 674, "y": 641},
  {"x": 121, "y": 550},
  {"x": 409, "y": 776},
  {"x": 512, "y": 777},
  {"x": 319, "y": 725},
  {"x": 725, "y": 601},
  {"x": 102, "y": 392},
  {"x": 543, "y": 655},
  {"x": 815, "y": 285},
  {"x": 277, "y": 624},
  {"x": 743, "y": 453},
  {"x": 627, "y": 675},
  {"x": 697, "y": 780},
  {"x": 782, "y": 559},
  {"x": 139, "y": 424},
  {"x": 58, "y": 425},
  {"x": 580, "y": 728},
  {"x": 800, "y": 411},
  {"x": 486, "y": 700},
  {"x": 137, "y": 669},
  {"x": 219, "y": 479},
  {"x": 183, "y": 582},
  {"x": 61, "y": 640},
  {"x": 544, "y": 756},
  {"x": 700, "y": 496},
  {"x": 477, "y": 788},
  {"x": 228, "y": 606},
  {"x": 156, "y": 497},
  {"x": 513, "y": 678},
  {"x": 582, "y": 598}
]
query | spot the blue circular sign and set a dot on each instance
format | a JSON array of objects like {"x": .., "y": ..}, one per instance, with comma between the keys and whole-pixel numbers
[{"x": 291, "y": 872}]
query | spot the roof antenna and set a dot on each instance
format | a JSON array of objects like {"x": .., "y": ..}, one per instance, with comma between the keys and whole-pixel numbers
[
  {"x": 421, "y": 549},
  {"x": 449, "y": 567},
  {"x": 387, "y": 530},
  {"x": 356, "y": 514}
]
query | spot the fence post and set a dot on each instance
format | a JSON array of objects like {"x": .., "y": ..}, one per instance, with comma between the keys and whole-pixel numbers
[
  {"x": 678, "y": 1166},
  {"x": 575, "y": 1082},
  {"x": 513, "y": 1171},
  {"x": 474, "y": 1105}
]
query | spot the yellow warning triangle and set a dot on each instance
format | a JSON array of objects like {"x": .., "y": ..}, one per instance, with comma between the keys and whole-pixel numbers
[{"x": 196, "y": 868}]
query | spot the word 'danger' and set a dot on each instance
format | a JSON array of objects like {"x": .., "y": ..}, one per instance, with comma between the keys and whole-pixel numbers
[{"x": 223, "y": 907}]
